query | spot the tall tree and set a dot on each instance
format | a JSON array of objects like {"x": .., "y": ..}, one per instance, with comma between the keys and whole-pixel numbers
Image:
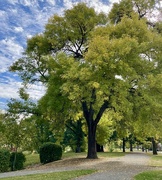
[
  {"x": 117, "y": 61},
  {"x": 99, "y": 69}
]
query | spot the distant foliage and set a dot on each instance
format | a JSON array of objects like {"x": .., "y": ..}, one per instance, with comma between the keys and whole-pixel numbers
[
  {"x": 17, "y": 160},
  {"x": 50, "y": 152},
  {"x": 4, "y": 160}
]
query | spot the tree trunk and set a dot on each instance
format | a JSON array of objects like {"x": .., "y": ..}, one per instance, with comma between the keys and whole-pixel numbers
[
  {"x": 154, "y": 147},
  {"x": 78, "y": 149},
  {"x": 102, "y": 149},
  {"x": 123, "y": 144},
  {"x": 99, "y": 148},
  {"x": 88, "y": 112},
  {"x": 131, "y": 146},
  {"x": 14, "y": 160},
  {"x": 92, "y": 151}
]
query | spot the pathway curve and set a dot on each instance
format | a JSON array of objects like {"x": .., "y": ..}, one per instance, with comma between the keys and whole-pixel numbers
[
  {"x": 124, "y": 168},
  {"x": 119, "y": 168}
]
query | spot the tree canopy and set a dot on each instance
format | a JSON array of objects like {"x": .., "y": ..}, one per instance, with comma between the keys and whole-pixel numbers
[{"x": 90, "y": 63}]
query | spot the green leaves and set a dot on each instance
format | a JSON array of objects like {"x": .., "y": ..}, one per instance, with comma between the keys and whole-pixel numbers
[{"x": 91, "y": 68}]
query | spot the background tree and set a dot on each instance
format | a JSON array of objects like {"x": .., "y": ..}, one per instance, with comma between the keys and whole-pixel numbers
[
  {"x": 143, "y": 8},
  {"x": 74, "y": 135},
  {"x": 105, "y": 129}
]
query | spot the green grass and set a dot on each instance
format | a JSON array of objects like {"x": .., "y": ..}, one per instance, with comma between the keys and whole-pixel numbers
[
  {"x": 99, "y": 154},
  {"x": 110, "y": 154},
  {"x": 73, "y": 155},
  {"x": 149, "y": 175},
  {"x": 65, "y": 175},
  {"x": 156, "y": 160},
  {"x": 31, "y": 159}
]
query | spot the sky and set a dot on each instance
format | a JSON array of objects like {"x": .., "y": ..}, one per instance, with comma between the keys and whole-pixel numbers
[{"x": 20, "y": 20}]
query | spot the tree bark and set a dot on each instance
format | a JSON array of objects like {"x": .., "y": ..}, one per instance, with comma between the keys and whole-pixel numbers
[
  {"x": 99, "y": 148},
  {"x": 92, "y": 122},
  {"x": 131, "y": 146},
  {"x": 78, "y": 149},
  {"x": 123, "y": 144},
  {"x": 92, "y": 152},
  {"x": 154, "y": 147},
  {"x": 102, "y": 149}
]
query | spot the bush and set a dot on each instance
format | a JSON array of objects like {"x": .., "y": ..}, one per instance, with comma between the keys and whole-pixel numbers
[
  {"x": 4, "y": 160},
  {"x": 50, "y": 152},
  {"x": 17, "y": 160}
]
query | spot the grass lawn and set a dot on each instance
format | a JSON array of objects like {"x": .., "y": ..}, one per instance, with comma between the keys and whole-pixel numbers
[
  {"x": 156, "y": 160},
  {"x": 149, "y": 175},
  {"x": 99, "y": 154},
  {"x": 65, "y": 175},
  {"x": 110, "y": 154},
  {"x": 31, "y": 159}
]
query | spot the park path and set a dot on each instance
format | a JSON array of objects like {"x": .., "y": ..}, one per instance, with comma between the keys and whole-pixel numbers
[
  {"x": 118, "y": 168},
  {"x": 123, "y": 168}
]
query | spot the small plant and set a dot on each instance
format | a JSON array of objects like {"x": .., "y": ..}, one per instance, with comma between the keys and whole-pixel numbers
[
  {"x": 17, "y": 160},
  {"x": 50, "y": 152},
  {"x": 4, "y": 160}
]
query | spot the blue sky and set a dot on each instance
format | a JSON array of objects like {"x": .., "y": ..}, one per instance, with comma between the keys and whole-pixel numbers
[{"x": 19, "y": 20}]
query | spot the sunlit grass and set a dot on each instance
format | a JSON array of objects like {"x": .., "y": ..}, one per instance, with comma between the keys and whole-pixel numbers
[
  {"x": 110, "y": 154},
  {"x": 156, "y": 160},
  {"x": 149, "y": 175}
]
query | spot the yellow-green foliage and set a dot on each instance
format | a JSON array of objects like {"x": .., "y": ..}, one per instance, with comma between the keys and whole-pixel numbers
[{"x": 105, "y": 127}]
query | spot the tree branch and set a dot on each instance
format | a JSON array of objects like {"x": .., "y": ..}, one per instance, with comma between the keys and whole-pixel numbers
[
  {"x": 85, "y": 111},
  {"x": 104, "y": 106}
]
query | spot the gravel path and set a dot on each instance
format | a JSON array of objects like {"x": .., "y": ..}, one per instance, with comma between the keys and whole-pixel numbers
[
  {"x": 119, "y": 168},
  {"x": 124, "y": 168}
]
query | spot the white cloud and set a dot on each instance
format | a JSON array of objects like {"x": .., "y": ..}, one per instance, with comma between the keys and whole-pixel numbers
[
  {"x": 97, "y": 4},
  {"x": 10, "y": 51},
  {"x": 68, "y": 4},
  {"x": 12, "y": 1},
  {"x": 4, "y": 63},
  {"x": 9, "y": 88},
  {"x": 19, "y": 29},
  {"x": 10, "y": 47},
  {"x": 2, "y": 13},
  {"x": 51, "y": 2}
]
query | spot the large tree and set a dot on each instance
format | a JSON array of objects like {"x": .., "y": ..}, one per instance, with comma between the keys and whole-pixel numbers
[{"x": 95, "y": 66}]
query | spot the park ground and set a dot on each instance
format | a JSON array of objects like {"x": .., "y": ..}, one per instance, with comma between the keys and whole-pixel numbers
[{"x": 109, "y": 166}]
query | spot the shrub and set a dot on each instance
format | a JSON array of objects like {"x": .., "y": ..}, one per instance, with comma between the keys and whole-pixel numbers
[
  {"x": 50, "y": 152},
  {"x": 17, "y": 160},
  {"x": 4, "y": 160}
]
